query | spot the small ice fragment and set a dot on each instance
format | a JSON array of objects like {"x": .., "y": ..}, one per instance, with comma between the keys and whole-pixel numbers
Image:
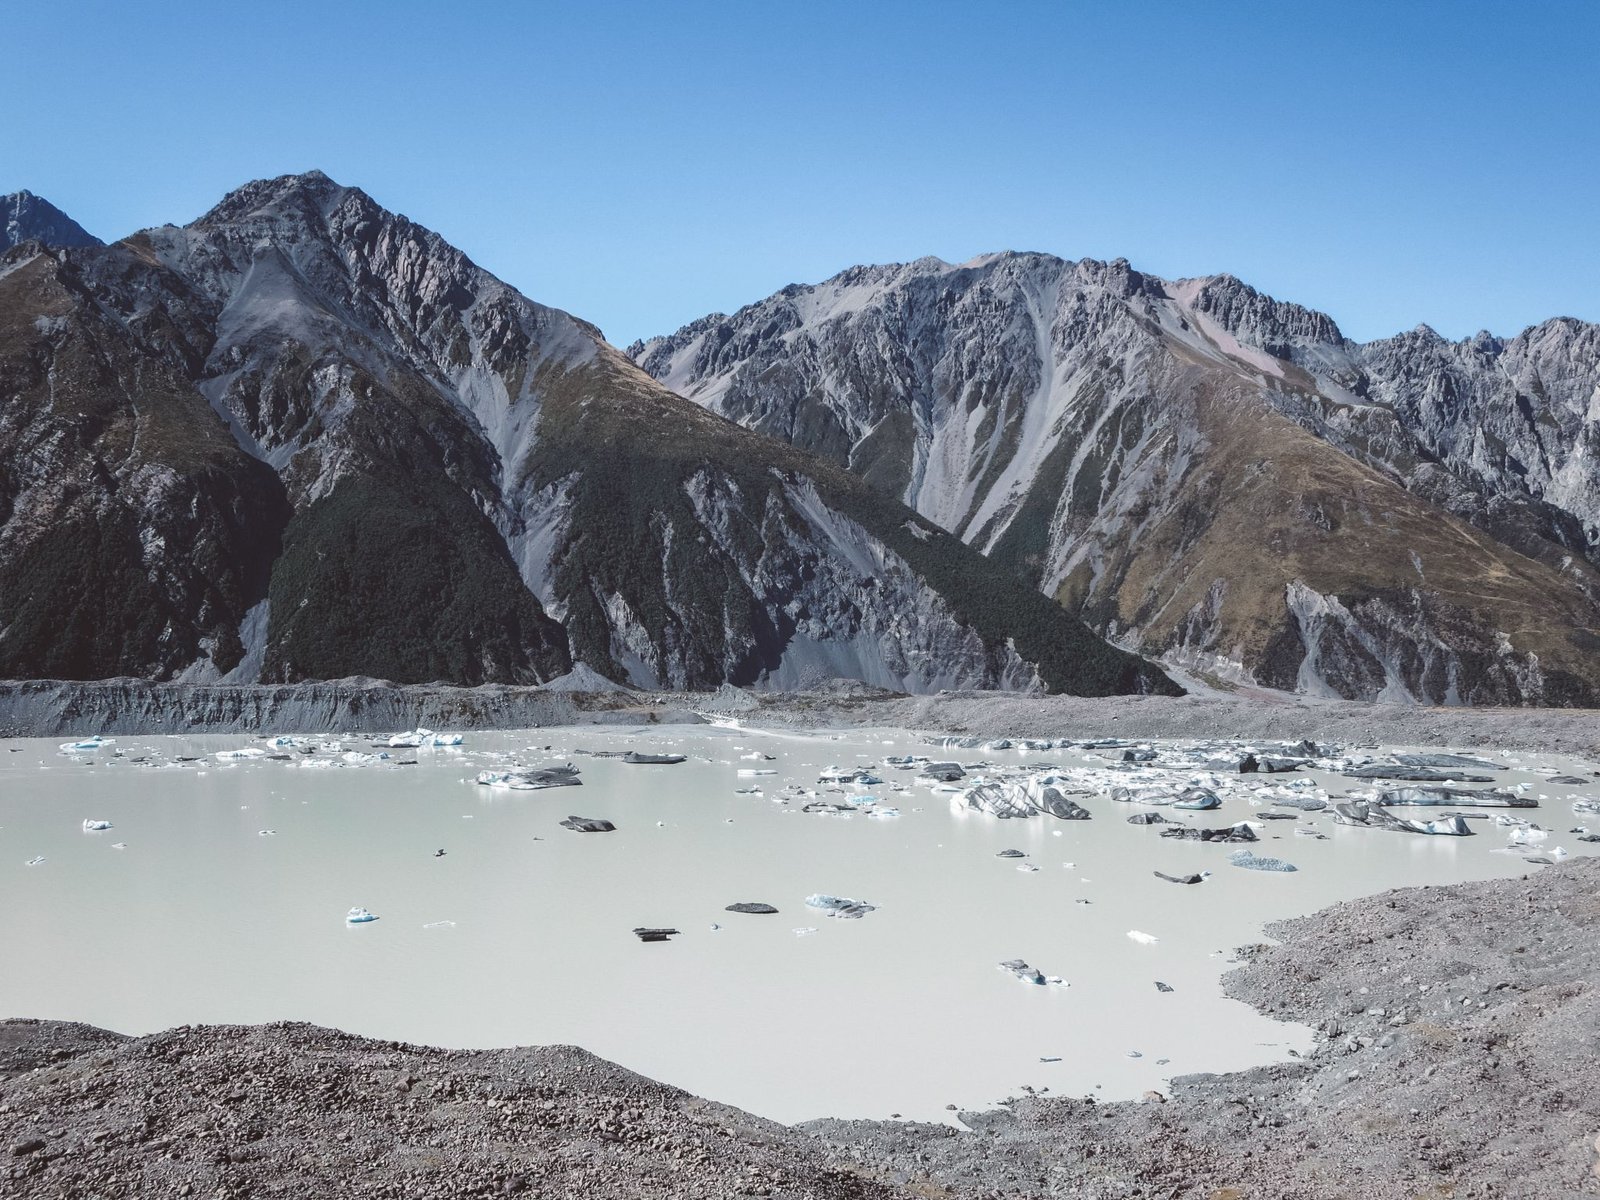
[{"x": 1144, "y": 939}]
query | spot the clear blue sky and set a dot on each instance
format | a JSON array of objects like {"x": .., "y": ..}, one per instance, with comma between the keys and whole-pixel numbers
[{"x": 642, "y": 164}]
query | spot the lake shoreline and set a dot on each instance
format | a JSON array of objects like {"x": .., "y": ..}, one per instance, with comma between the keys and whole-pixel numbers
[
  {"x": 49, "y": 708},
  {"x": 1411, "y": 1091}
]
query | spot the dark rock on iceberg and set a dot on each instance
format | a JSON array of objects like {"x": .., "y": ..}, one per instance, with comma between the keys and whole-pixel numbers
[
  {"x": 1448, "y": 761},
  {"x": 1233, "y": 833},
  {"x": 654, "y": 935},
  {"x": 1282, "y": 766},
  {"x": 1051, "y": 801},
  {"x": 1413, "y": 797},
  {"x": 588, "y": 825},
  {"x": 1180, "y": 878},
  {"x": 1374, "y": 816},
  {"x": 751, "y": 906},
  {"x": 1416, "y": 774}
]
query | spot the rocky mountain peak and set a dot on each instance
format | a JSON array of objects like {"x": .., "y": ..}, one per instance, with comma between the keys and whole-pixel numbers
[
  {"x": 307, "y": 196},
  {"x": 1258, "y": 320},
  {"x": 25, "y": 217}
]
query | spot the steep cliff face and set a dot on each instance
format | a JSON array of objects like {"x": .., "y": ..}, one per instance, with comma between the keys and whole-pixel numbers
[
  {"x": 1201, "y": 471},
  {"x": 457, "y": 483},
  {"x": 134, "y": 534}
]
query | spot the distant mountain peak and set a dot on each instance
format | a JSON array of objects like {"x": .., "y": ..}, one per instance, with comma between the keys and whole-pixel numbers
[
  {"x": 25, "y": 217},
  {"x": 310, "y": 195}
]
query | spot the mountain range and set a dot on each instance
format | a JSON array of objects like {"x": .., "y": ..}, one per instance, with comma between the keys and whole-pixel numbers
[
  {"x": 303, "y": 437},
  {"x": 1203, "y": 473}
]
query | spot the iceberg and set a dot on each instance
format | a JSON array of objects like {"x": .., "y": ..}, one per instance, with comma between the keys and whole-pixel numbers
[
  {"x": 1022, "y": 971},
  {"x": 88, "y": 746},
  {"x": 1253, "y": 862},
  {"x": 521, "y": 781},
  {"x": 839, "y": 906},
  {"x": 1445, "y": 797},
  {"x": 423, "y": 737},
  {"x": 92, "y": 825},
  {"x": 1375, "y": 816}
]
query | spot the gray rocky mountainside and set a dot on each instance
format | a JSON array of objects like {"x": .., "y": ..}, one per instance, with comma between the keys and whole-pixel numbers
[
  {"x": 1202, "y": 472},
  {"x": 25, "y": 217},
  {"x": 302, "y": 437}
]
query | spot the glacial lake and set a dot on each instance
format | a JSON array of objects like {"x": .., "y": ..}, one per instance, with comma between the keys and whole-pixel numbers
[{"x": 521, "y": 932}]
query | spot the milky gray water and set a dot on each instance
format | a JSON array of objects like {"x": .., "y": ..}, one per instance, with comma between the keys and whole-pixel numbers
[{"x": 521, "y": 932}]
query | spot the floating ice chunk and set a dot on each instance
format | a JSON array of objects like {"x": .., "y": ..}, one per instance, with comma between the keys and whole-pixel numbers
[
  {"x": 87, "y": 746},
  {"x": 1022, "y": 971},
  {"x": 239, "y": 755},
  {"x": 1252, "y": 862},
  {"x": 1144, "y": 939},
  {"x": 358, "y": 916},
  {"x": 839, "y": 906},
  {"x": 91, "y": 825},
  {"x": 35, "y": 860}
]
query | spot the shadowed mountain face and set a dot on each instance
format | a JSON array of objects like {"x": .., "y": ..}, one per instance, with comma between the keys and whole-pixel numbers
[
  {"x": 25, "y": 217},
  {"x": 303, "y": 437},
  {"x": 1205, "y": 473}
]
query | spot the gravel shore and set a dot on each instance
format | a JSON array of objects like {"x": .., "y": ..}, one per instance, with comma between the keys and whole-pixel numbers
[
  {"x": 1275, "y": 717},
  {"x": 1458, "y": 1027},
  {"x": 49, "y": 708}
]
